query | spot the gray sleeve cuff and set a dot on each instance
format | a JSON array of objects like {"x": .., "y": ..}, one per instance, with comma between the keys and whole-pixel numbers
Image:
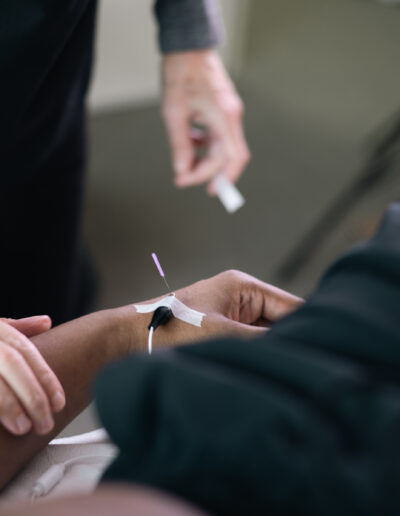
[{"x": 188, "y": 24}]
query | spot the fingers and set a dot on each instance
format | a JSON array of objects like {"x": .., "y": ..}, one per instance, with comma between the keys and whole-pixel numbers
[
  {"x": 30, "y": 326},
  {"x": 265, "y": 301},
  {"x": 27, "y": 376},
  {"x": 178, "y": 128},
  {"x": 12, "y": 415},
  {"x": 227, "y": 150},
  {"x": 206, "y": 169},
  {"x": 278, "y": 302},
  {"x": 253, "y": 301},
  {"x": 247, "y": 331},
  {"x": 198, "y": 89},
  {"x": 235, "y": 150},
  {"x": 25, "y": 388},
  {"x": 43, "y": 373}
]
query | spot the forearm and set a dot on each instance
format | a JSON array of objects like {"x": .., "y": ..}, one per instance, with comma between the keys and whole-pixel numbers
[{"x": 76, "y": 351}]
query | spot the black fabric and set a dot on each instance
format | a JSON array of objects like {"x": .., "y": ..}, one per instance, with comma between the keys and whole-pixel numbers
[
  {"x": 305, "y": 420},
  {"x": 45, "y": 64},
  {"x": 188, "y": 24}
]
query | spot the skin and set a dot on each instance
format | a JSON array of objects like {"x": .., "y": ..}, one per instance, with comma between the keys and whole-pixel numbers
[
  {"x": 235, "y": 304},
  {"x": 29, "y": 390},
  {"x": 197, "y": 89},
  {"x": 117, "y": 500}
]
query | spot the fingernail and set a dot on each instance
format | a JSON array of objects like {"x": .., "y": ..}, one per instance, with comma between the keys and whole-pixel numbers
[
  {"x": 10, "y": 424},
  {"x": 45, "y": 426},
  {"x": 23, "y": 424},
  {"x": 46, "y": 317},
  {"x": 58, "y": 401}
]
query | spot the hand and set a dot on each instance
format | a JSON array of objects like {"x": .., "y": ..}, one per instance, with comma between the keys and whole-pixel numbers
[
  {"x": 198, "y": 90},
  {"x": 234, "y": 303},
  {"x": 29, "y": 390}
]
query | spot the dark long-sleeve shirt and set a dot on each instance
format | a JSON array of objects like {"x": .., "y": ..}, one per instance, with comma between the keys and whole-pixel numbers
[
  {"x": 188, "y": 24},
  {"x": 41, "y": 38},
  {"x": 305, "y": 420}
]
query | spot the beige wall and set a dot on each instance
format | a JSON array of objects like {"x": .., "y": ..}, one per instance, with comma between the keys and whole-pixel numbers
[{"x": 127, "y": 56}]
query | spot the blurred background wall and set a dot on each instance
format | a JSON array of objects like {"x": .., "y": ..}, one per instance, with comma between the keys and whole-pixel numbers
[
  {"x": 321, "y": 84},
  {"x": 127, "y": 66}
]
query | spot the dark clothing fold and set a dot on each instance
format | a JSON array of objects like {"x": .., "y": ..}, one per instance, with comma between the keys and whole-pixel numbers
[
  {"x": 46, "y": 55},
  {"x": 305, "y": 420},
  {"x": 188, "y": 24}
]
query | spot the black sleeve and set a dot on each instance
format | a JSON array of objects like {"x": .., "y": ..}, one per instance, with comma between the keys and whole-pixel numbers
[
  {"x": 188, "y": 24},
  {"x": 305, "y": 420}
]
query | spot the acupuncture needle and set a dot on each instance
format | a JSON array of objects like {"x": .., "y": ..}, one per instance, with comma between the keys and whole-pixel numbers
[
  {"x": 160, "y": 270},
  {"x": 163, "y": 313}
]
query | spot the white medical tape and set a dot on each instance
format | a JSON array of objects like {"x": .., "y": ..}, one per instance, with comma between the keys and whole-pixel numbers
[{"x": 179, "y": 310}]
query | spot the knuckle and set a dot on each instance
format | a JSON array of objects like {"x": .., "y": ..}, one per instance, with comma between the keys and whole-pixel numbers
[
  {"x": 23, "y": 345},
  {"x": 231, "y": 275},
  {"x": 236, "y": 108},
  {"x": 8, "y": 405},
  {"x": 47, "y": 378},
  {"x": 10, "y": 357},
  {"x": 37, "y": 403},
  {"x": 231, "y": 156}
]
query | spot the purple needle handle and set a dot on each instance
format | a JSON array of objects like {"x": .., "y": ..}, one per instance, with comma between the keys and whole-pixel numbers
[{"x": 154, "y": 256}]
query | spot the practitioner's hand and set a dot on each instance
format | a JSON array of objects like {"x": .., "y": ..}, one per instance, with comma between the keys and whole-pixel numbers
[
  {"x": 198, "y": 90},
  {"x": 234, "y": 303},
  {"x": 29, "y": 390}
]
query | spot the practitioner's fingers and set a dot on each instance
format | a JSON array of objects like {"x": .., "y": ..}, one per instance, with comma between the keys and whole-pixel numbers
[
  {"x": 28, "y": 376},
  {"x": 20, "y": 378},
  {"x": 227, "y": 152},
  {"x": 12, "y": 415},
  {"x": 237, "y": 154},
  {"x": 30, "y": 326},
  {"x": 207, "y": 168},
  {"x": 196, "y": 84},
  {"x": 44, "y": 374},
  {"x": 178, "y": 127}
]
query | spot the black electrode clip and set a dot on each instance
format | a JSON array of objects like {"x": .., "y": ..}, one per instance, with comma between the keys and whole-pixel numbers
[{"x": 160, "y": 316}]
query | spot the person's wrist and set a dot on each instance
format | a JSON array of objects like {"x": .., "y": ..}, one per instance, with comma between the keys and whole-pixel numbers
[
  {"x": 127, "y": 330},
  {"x": 130, "y": 331},
  {"x": 186, "y": 68}
]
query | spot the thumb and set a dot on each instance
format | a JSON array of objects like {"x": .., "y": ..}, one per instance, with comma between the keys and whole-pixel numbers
[
  {"x": 279, "y": 303},
  {"x": 247, "y": 331},
  {"x": 30, "y": 326}
]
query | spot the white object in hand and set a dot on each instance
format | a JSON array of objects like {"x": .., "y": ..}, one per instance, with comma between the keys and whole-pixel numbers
[{"x": 228, "y": 194}]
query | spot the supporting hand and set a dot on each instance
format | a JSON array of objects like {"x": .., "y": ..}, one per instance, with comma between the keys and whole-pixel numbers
[{"x": 29, "y": 390}]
